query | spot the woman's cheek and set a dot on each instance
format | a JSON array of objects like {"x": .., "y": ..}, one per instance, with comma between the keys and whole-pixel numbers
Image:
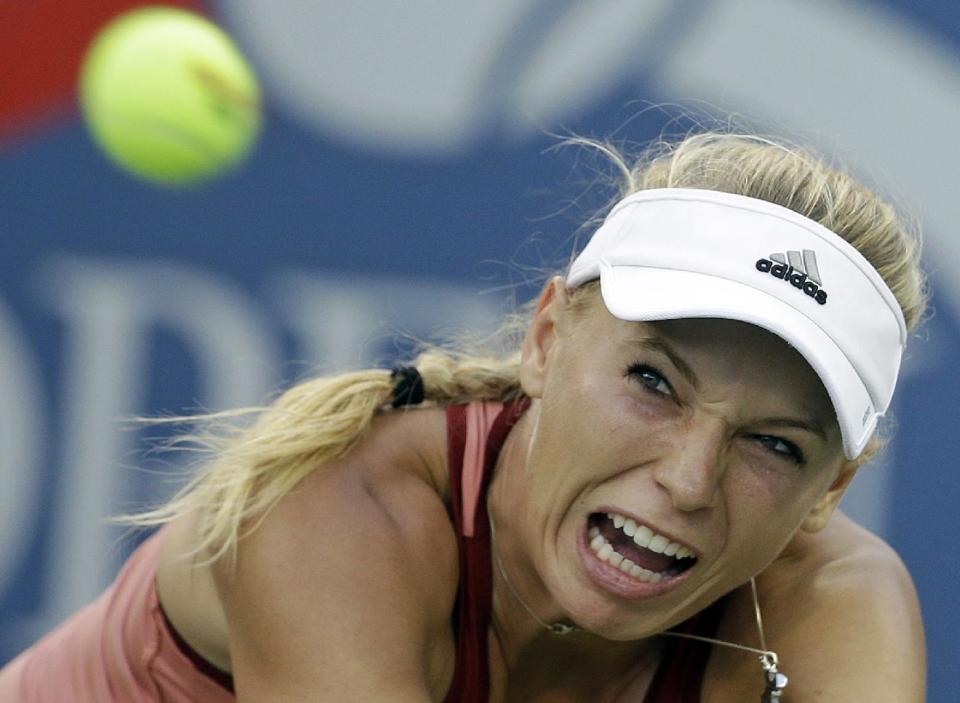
[
  {"x": 760, "y": 489},
  {"x": 778, "y": 475},
  {"x": 642, "y": 413}
]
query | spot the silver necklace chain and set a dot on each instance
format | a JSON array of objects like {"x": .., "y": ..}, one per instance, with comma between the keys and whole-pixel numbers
[
  {"x": 557, "y": 628},
  {"x": 775, "y": 680}
]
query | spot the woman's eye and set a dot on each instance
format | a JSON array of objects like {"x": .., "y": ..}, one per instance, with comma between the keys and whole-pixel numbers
[
  {"x": 782, "y": 447},
  {"x": 651, "y": 379}
]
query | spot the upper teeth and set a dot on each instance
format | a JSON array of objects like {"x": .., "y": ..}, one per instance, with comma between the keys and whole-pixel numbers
[{"x": 648, "y": 539}]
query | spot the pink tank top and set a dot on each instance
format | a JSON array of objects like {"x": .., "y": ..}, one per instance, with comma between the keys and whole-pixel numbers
[{"x": 118, "y": 648}]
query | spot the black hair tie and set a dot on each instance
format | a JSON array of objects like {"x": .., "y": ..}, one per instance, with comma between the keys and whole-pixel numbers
[{"x": 407, "y": 386}]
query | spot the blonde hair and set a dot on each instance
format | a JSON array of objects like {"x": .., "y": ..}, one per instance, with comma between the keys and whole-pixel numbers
[{"x": 251, "y": 468}]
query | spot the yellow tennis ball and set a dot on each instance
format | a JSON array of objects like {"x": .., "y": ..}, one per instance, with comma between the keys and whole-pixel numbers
[{"x": 169, "y": 97}]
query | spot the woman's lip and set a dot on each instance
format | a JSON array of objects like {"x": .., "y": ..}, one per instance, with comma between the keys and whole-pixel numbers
[
  {"x": 612, "y": 580},
  {"x": 640, "y": 521}
]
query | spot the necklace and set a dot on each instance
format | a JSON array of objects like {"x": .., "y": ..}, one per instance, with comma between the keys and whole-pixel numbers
[
  {"x": 557, "y": 628},
  {"x": 776, "y": 681}
]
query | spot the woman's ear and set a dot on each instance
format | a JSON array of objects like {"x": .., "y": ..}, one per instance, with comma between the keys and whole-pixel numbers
[
  {"x": 821, "y": 512},
  {"x": 541, "y": 336}
]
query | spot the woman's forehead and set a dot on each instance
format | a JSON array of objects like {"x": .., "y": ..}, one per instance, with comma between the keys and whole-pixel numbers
[
  {"x": 719, "y": 340},
  {"x": 712, "y": 331}
]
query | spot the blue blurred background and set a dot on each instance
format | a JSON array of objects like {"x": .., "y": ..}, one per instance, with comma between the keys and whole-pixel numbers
[{"x": 404, "y": 182}]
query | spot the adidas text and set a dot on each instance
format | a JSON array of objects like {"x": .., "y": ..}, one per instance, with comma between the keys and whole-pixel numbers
[{"x": 798, "y": 279}]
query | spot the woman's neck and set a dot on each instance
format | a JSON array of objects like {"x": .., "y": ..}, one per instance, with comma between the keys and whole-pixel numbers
[
  {"x": 530, "y": 652},
  {"x": 517, "y": 587}
]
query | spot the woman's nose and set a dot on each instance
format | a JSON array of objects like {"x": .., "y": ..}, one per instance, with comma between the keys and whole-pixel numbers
[{"x": 691, "y": 471}]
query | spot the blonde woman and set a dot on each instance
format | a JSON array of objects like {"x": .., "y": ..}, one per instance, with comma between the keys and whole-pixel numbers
[{"x": 637, "y": 504}]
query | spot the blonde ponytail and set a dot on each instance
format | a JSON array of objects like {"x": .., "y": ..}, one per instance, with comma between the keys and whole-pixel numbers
[{"x": 313, "y": 423}]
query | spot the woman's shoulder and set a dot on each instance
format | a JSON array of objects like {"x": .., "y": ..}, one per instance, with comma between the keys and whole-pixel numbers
[
  {"x": 844, "y": 557},
  {"x": 840, "y": 609},
  {"x": 379, "y": 509},
  {"x": 394, "y": 474},
  {"x": 402, "y": 445}
]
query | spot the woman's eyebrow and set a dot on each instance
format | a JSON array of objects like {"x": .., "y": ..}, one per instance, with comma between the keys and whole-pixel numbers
[
  {"x": 810, "y": 425},
  {"x": 658, "y": 345}
]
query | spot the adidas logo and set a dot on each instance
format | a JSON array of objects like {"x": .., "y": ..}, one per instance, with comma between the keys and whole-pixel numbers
[{"x": 798, "y": 269}]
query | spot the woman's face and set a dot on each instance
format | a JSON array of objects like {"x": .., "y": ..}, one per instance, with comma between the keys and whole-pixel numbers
[{"x": 714, "y": 434}]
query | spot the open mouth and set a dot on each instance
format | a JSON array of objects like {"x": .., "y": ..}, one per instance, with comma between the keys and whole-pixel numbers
[{"x": 636, "y": 549}]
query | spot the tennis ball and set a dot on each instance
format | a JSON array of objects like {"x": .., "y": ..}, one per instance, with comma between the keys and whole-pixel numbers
[{"x": 169, "y": 97}]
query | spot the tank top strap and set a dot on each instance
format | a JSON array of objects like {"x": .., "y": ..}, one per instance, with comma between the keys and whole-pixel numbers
[
  {"x": 480, "y": 418},
  {"x": 475, "y": 434}
]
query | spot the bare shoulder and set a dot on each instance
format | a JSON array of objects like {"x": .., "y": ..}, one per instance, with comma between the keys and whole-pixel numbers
[
  {"x": 394, "y": 477},
  {"x": 841, "y": 611},
  {"x": 358, "y": 558}
]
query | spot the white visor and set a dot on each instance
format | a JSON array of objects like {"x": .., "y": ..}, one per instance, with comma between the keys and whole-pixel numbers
[{"x": 683, "y": 253}]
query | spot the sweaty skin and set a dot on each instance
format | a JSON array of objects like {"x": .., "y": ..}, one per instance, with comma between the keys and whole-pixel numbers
[{"x": 712, "y": 431}]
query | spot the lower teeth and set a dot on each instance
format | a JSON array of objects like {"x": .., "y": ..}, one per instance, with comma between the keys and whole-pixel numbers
[{"x": 604, "y": 550}]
